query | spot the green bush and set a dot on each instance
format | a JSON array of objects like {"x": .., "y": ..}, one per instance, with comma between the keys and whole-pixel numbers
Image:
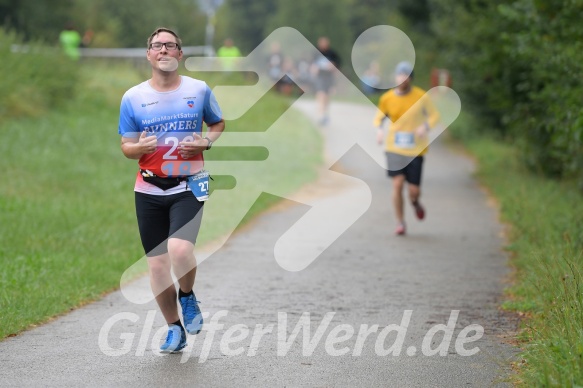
[
  {"x": 549, "y": 118},
  {"x": 35, "y": 78},
  {"x": 517, "y": 65}
]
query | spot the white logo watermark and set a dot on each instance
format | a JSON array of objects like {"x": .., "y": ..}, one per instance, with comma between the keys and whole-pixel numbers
[
  {"x": 336, "y": 340},
  {"x": 305, "y": 240},
  {"x": 296, "y": 249}
]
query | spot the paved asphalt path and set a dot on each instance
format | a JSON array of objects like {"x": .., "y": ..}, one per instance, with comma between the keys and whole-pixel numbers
[{"x": 452, "y": 261}]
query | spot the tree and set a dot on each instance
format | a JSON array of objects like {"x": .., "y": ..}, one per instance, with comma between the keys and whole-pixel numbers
[
  {"x": 134, "y": 27},
  {"x": 365, "y": 14},
  {"x": 317, "y": 18},
  {"x": 517, "y": 64},
  {"x": 244, "y": 21},
  {"x": 35, "y": 20}
]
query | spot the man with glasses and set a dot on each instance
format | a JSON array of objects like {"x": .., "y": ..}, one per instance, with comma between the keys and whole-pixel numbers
[{"x": 161, "y": 126}]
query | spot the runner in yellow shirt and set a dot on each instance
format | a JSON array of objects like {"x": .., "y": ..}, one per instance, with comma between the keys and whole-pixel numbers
[{"x": 412, "y": 115}]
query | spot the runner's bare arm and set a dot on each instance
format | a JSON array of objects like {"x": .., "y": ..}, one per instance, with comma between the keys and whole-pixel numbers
[
  {"x": 135, "y": 148},
  {"x": 214, "y": 131}
]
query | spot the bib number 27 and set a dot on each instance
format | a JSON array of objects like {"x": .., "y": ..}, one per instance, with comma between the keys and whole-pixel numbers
[{"x": 199, "y": 185}]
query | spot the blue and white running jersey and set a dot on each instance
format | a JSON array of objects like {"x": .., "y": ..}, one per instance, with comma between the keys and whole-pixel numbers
[{"x": 173, "y": 117}]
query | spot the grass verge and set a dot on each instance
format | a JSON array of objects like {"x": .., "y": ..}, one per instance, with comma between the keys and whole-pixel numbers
[
  {"x": 68, "y": 227},
  {"x": 546, "y": 245}
]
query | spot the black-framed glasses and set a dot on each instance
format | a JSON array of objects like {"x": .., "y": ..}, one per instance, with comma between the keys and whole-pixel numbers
[{"x": 157, "y": 46}]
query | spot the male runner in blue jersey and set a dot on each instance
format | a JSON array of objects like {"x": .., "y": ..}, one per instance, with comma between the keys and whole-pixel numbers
[{"x": 161, "y": 125}]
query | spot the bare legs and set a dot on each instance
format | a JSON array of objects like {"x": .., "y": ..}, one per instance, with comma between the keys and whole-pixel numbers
[
  {"x": 323, "y": 100},
  {"x": 398, "y": 183},
  {"x": 398, "y": 202},
  {"x": 180, "y": 258}
]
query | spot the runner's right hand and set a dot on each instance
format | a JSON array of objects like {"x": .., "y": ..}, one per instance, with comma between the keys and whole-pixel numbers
[
  {"x": 380, "y": 136},
  {"x": 147, "y": 143}
]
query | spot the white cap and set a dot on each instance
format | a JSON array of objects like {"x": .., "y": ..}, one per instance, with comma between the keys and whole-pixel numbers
[{"x": 404, "y": 68}]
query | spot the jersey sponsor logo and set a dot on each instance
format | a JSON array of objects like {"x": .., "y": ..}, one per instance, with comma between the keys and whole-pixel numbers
[
  {"x": 169, "y": 117},
  {"x": 179, "y": 125},
  {"x": 149, "y": 103}
]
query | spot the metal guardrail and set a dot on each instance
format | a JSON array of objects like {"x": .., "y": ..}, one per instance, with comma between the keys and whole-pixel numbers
[
  {"x": 140, "y": 52},
  {"x": 207, "y": 51}
]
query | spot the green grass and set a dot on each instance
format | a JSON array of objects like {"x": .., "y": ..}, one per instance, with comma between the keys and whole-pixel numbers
[
  {"x": 546, "y": 246},
  {"x": 33, "y": 82},
  {"x": 68, "y": 229}
]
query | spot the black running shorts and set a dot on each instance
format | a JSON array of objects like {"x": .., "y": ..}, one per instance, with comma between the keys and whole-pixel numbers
[
  {"x": 163, "y": 216},
  {"x": 409, "y": 166}
]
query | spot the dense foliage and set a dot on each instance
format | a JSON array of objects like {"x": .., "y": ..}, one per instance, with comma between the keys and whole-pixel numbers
[{"x": 518, "y": 65}]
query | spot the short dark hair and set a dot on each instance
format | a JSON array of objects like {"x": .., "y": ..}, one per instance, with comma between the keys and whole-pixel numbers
[{"x": 164, "y": 29}]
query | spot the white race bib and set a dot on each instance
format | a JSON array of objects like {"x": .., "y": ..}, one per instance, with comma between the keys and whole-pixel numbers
[
  {"x": 199, "y": 185},
  {"x": 405, "y": 139}
]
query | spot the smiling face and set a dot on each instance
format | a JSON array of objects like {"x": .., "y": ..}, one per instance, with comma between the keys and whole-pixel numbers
[{"x": 164, "y": 59}]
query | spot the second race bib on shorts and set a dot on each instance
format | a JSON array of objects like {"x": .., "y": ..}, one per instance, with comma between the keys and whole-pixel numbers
[
  {"x": 405, "y": 139},
  {"x": 199, "y": 185}
]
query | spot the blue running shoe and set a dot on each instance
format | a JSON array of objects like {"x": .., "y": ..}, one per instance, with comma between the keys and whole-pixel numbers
[
  {"x": 191, "y": 314},
  {"x": 175, "y": 340}
]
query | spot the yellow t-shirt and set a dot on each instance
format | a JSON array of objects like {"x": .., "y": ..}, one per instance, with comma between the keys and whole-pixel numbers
[{"x": 407, "y": 112}]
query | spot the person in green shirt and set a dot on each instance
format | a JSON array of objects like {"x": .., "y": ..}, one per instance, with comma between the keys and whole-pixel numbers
[
  {"x": 229, "y": 54},
  {"x": 70, "y": 41}
]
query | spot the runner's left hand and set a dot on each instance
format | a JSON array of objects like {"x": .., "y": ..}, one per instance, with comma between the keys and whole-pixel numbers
[
  {"x": 421, "y": 131},
  {"x": 188, "y": 149}
]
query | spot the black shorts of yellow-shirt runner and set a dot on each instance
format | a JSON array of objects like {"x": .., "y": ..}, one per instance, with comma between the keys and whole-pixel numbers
[
  {"x": 167, "y": 216},
  {"x": 409, "y": 166}
]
